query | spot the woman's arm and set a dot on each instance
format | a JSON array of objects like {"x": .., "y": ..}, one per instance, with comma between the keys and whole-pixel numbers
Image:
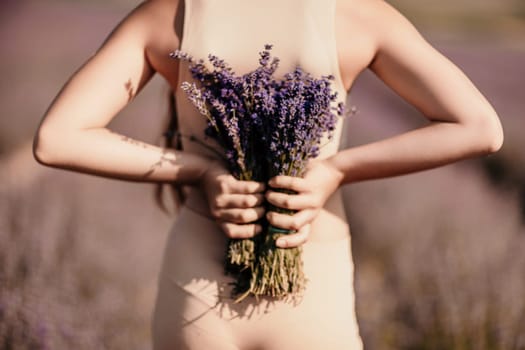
[
  {"x": 462, "y": 123},
  {"x": 73, "y": 133}
]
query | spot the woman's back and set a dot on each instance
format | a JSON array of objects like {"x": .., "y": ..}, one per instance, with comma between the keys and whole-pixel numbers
[
  {"x": 302, "y": 34},
  {"x": 317, "y": 35}
]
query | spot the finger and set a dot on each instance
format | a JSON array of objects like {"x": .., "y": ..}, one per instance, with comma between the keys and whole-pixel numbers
[
  {"x": 290, "y": 201},
  {"x": 240, "y": 231},
  {"x": 293, "y": 222},
  {"x": 231, "y": 201},
  {"x": 294, "y": 239},
  {"x": 246, "y": 187},
  {"x": 296, "y": 184},
  {"x": 239, "y": 216}
]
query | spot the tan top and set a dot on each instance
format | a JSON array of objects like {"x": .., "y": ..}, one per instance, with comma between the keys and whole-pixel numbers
[{"x": 302, "y": 33}]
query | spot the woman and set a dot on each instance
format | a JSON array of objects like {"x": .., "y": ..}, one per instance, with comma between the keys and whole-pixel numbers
[{"x": 342, "y": 38}]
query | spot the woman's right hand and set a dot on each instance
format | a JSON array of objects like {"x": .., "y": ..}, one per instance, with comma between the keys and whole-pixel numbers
[{"x": 235, "y": 204}]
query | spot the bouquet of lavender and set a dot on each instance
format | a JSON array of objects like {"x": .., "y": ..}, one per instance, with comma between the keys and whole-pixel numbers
[{"x": 266, "y": 127}]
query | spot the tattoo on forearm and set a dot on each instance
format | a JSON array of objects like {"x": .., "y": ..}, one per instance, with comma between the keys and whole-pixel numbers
[
  {"x": 130, "y": 140},
  {"x": 165, "y": 158},
  {"x": 133, "y": 141}
]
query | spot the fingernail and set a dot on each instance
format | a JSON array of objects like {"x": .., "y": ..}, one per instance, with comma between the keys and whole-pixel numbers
[{"x": 258, "y": 229}]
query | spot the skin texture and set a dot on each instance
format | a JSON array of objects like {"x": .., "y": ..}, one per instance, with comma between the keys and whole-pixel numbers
[{"x": 369, "y": 34}]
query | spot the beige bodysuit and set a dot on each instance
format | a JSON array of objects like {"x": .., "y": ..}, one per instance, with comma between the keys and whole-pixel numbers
[{"x": 194, "y": 309}]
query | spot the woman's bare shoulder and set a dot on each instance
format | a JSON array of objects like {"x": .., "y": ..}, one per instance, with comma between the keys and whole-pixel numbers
[
  {"x": 358, "y": 35},
  {"x": 151, "y": 19},
  {"x": 118, "y": 70},
  {"x": 165, "y": 20},
  {"x": 364, "y": 28},
  {"x": 154, "y": 27},
  {"x": 377, "y": 17}
]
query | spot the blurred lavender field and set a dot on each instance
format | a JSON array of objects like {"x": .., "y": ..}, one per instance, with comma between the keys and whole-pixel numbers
[{"x": 439, "y": 255}]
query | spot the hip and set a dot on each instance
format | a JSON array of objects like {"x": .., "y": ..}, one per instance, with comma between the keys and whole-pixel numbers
[{"x": 193, "y": 271}]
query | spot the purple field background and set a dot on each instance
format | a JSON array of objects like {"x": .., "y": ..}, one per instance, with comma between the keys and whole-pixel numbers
[{"x": 439, "y": 255}]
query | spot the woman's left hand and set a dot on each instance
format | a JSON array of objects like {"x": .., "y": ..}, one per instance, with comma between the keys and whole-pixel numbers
[{"x": 311, "y": 192}]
